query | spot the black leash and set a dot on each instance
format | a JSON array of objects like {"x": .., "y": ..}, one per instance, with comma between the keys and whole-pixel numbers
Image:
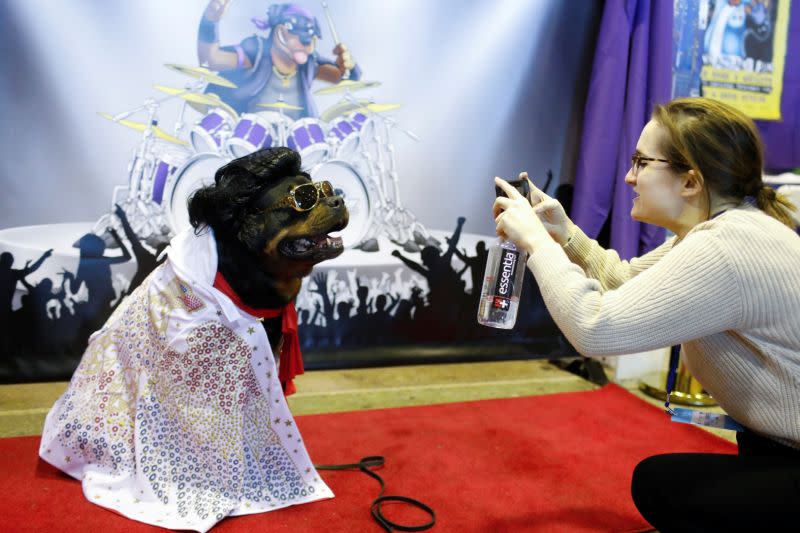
[{"x": 376, "y": 461}]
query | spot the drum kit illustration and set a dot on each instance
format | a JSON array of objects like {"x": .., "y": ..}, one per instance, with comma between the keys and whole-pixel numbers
[{"x": 349, "y": 144}]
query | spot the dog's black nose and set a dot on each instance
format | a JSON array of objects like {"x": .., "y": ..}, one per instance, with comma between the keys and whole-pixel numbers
[{"x": 335, "y": 202}]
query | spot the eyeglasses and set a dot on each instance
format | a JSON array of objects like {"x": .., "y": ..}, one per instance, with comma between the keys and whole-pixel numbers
[
  {"x": 304, "y": 197},
  {"x": 636, "y": 162}
]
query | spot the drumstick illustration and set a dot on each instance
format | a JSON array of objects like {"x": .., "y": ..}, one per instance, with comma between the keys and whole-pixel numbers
[{"x": 335, "y": 36}]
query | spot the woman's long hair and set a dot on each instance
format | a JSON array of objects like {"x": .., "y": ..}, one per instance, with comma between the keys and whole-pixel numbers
[{"x": 722, "y": 145}]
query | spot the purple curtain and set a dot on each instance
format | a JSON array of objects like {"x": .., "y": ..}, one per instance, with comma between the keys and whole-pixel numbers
[
  {"x": 632, "y": 71},
  {"x": 782, "y": 138}
]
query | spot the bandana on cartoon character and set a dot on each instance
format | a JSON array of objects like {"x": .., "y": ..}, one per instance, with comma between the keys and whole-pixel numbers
[{"x": 296, "y": 19}]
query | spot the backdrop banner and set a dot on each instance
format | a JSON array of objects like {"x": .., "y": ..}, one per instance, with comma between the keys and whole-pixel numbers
[{"x": 107, "y": 135}]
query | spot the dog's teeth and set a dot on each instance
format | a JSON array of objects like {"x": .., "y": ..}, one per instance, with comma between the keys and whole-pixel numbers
[{"x": 302, "y": 245}]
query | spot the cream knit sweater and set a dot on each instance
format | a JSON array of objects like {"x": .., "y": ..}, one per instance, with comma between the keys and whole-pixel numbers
[{"x": 729, "y": 292}]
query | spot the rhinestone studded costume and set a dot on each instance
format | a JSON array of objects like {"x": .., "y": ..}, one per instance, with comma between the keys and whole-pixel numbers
[{"x": 175, "y": 415}]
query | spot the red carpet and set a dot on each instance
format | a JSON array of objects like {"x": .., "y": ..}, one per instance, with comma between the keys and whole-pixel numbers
[{"x": 552, "y": 463}]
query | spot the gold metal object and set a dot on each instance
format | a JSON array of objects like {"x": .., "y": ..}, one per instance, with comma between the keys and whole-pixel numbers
[
  {"x": 340, "y": 108},
  {"x": 347, "y": 85},
  {"x": 197, "y": 98},
  {"x": 285, "y": 78},
  {"x": 322, "y": 189},
  {"x": 279, "y": 105},
  {"x": 201, "y": 102},
  {"x": 376, "y": 108},
  {"x": 140, "y": 126},
  {"x": 201, "y": 73},
  {"x": 688, "y": 391},
  {"x": 358, "y": 106}
]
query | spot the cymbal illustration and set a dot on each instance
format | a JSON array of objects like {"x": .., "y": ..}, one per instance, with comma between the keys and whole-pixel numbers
[
  {"x": 347, "y": 85},
  {"x": 201, "y": 73},
  {"x": 280, "y": 105},
  {"x": 376, "y": 108},
  {"x": 197, "y": 98},
  {"x": 340, "y": 108},
  {"x": 207, "y": 99},
  {"x": 140, "y": 126}
]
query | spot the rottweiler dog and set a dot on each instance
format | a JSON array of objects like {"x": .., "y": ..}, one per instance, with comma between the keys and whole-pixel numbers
[
  {"x": 271, "y": 225},
  {"x": 176, "y": 373}
]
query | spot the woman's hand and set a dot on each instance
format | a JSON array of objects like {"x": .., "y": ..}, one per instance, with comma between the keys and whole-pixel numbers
[
  {"x": 516, "y": 220},
  {"x": 551, "y": 213}
]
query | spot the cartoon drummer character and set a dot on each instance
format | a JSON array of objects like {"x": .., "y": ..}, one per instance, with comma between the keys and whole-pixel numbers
[{"x": 276, "y": 68}]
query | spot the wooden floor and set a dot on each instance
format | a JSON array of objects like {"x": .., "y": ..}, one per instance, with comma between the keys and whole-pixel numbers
[{"x": 23, "y": 407}]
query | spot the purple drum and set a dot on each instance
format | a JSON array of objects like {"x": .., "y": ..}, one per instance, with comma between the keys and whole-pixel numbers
[
  {"x": 350, "y": 131},
  {"x": 158, "y": 169},
  {"x": 252, "y": 132},
  {"x": 307, "y": 137},
  {"x": 162, "y": 171},
  {"x": 209, "y": 132},
  {"x": 358, "y": 120}
]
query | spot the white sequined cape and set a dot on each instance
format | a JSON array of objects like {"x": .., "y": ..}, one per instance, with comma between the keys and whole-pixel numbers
[{"x": 175, "y": 415}]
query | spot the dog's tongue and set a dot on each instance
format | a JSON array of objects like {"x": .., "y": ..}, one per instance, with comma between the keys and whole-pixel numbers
[{"x": 300, "y": 57}]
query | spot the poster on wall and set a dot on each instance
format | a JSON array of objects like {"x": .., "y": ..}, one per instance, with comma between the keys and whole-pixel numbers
[
  {"x": 687, "y": 45},
  {"x": 744, "y": 49},
  {"x": 409, "y": 132}
]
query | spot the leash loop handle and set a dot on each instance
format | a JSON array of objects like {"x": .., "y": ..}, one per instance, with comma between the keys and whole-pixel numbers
[{"x": 376, "y": 461}]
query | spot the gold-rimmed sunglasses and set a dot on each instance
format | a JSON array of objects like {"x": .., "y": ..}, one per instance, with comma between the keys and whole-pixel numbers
[{"x": 304, "y": 197}]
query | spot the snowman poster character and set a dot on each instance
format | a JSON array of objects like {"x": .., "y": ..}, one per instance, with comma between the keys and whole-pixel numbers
[
  {"x": 739, "y": 29},
  {"x": 278, "y": 67}
]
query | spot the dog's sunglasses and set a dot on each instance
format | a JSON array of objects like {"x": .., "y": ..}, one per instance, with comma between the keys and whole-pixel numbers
[{"x": 304, "y": 197}]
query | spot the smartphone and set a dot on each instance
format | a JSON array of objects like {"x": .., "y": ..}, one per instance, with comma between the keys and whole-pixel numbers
[{"x": 522, "y": 187}]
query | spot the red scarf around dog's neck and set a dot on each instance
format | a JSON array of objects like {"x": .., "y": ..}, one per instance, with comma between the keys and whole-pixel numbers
[{"x": 291, "y": 363}]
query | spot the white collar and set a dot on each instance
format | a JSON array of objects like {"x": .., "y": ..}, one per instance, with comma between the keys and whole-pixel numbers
[{"x": 194, "y": 258}]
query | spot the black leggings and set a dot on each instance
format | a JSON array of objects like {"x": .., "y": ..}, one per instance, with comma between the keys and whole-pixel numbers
[{"x": 757, "y": 490}]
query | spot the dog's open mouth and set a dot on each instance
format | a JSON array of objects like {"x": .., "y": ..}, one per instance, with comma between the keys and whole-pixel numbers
[
  {"x": 313, "y": 247},
  {"x": 318, "y": 240}
]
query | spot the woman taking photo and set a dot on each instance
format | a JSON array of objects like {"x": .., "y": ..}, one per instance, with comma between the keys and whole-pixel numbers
[{"x": 726, "y": 288}]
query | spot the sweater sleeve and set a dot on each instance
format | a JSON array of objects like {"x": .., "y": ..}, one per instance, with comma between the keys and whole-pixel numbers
[
  {"x": 691, "y": 292},
  {"x": 604, "y": 265}
]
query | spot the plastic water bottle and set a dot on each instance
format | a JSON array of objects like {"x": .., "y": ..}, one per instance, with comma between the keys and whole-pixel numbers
[{"x": 502, "y": 285}]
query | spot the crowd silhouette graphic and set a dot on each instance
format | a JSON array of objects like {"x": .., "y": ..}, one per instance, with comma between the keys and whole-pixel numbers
[
  {"x": 427, "y": 302},
  {"x": 46, "y": 334},
  {"x": 424, "y": 301}
]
